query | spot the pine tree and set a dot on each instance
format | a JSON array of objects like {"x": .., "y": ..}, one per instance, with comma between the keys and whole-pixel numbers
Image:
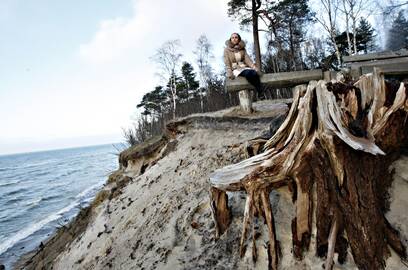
[
  {"x": 397, "y": 35},
  {"x": 294, "y": 16},
  {"x": 153, "y": 102},
  {"x": 365, "y": 37},
  {"x": 187, "y": 83},
  {"x": 189, "y": 77},
  {"x": 342, "y": 43}
]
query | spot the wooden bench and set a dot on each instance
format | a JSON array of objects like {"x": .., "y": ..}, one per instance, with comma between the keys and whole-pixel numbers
[
  {"x": 390, "y": 62},
  {"x": 274, "y": 80}
]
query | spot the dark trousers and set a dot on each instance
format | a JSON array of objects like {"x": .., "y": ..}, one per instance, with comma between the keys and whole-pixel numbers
[{"x": 253, "y": 78}]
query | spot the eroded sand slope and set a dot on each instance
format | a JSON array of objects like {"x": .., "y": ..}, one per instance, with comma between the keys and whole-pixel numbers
[{"x": 162, "y": 220}]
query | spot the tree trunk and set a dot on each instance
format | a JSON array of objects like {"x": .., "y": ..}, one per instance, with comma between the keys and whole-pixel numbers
[
  {"x": 341, "y": 139},
  {"x": 354, "y": 33},
  {"x": 174, "y": 94},
  {"x": 202, "y": 100},
  {"x": 255, "y": 32},
  {"x": 292, "y": 48},
  {"x": 350, "y": 50},
  {"x": 332, "y": 30},
  {"x": 336, "y": 47}
]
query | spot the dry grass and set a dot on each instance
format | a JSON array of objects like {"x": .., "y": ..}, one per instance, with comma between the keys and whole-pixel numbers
[{"x": 100, "y": 197}]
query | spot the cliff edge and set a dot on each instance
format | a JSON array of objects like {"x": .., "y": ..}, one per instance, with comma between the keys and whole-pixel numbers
[{"x": 154, "y": 212}]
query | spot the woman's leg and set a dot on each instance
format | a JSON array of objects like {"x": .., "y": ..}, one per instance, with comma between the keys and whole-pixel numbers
[{"x": 253, "y": 78}]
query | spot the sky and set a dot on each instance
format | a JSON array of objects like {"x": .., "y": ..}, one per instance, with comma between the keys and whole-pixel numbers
[{"x": 72, "y": 72}]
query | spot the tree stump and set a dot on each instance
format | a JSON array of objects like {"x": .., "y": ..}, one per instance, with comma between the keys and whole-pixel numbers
[{"x": 338, "y": 140}]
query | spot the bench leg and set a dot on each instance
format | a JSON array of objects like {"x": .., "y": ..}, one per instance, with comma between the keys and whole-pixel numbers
[{"x": 245, "y": 101}]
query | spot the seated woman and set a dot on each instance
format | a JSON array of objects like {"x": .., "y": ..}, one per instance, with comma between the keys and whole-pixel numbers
[{"x": 238, "y": 63}]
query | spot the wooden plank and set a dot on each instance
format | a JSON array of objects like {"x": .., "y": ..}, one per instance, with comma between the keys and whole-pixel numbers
[
  {"x": 276, "y": 80},
  {"x": 238, "y": 84},
  {"x": 396, "y": 61},
  {"x": 388, "y": 69},
  {"x": 375, "y": 56},
  {"x": 329, "y": 75}
]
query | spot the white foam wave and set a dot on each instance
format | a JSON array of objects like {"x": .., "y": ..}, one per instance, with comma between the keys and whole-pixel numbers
[
  {"x": 88, "y": 190},
  {"x": 20, "y": 235},
  {"x": 34, "y": 202}
]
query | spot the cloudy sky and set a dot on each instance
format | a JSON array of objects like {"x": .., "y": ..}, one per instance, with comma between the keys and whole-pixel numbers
[{"x": 72, "y": 72}]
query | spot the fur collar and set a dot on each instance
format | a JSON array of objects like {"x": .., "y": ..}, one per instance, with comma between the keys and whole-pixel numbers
[{"x": 236, "y": 48}]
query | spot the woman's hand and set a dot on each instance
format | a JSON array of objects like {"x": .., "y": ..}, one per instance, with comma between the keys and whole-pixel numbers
[{"x": 258, "y": 71}]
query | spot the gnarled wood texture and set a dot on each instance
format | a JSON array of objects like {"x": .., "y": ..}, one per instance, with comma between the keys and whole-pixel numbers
[{"x": 338, "y": 140}]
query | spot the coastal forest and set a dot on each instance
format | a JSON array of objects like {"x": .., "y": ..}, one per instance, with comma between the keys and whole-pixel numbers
[{"x": 295, "y": 35}]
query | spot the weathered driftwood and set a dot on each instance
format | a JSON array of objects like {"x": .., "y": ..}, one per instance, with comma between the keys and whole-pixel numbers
[{"x": 340, "y": 139}]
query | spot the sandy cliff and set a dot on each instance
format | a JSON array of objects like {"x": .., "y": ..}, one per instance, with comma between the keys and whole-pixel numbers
[{"x": 154, "y": 211}]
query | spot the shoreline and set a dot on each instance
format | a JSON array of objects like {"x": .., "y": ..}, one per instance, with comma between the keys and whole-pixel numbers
[
  {"x": 53, "y": 245},
  {"x": 63, "y": 184}
]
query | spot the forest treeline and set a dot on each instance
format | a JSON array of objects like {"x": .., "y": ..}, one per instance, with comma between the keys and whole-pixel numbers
[{"x": 297, "y": 34}]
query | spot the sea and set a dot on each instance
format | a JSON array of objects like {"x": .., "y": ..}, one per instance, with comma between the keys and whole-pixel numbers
[{"x": 41, "y": 191}]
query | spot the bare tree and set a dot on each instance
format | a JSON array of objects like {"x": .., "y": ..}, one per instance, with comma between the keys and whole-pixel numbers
[
  {"x": 204, "y": 56},
  {"x": 355, "y": 8},
  {"x": 168, "y": 59},
  {"x": 139, "y": 132},
  {"x": 346, "y": 11},
  {"x": 330, "y": 9},
  {"x": 391, "y": 6}
]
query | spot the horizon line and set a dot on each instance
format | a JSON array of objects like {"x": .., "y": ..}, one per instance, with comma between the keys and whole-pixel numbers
[{"x": 57, "y": 149}]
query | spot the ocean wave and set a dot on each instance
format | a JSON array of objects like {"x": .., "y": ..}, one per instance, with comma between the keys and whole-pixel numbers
[
  {"x": 34, "y": 202},
  {"x": 38, "y": 178},
  {"x": 89, "y": 190},
  {"x": 13, "y": 200},
  {"x": 70, "y": 172},
  {"x": 13, "y": 192},
  {"x": 56, "y": 184},
  {"x": 40, "y": 173},
  {"x": 39, "y": 163},
  {"x": 27, "y": 231},
  {"x": 24, "y": 166},
  {"x": 10, "y": 183}
]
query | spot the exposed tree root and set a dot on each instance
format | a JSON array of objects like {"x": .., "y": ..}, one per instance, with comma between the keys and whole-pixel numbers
[{"x": 338, "y": 140}]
